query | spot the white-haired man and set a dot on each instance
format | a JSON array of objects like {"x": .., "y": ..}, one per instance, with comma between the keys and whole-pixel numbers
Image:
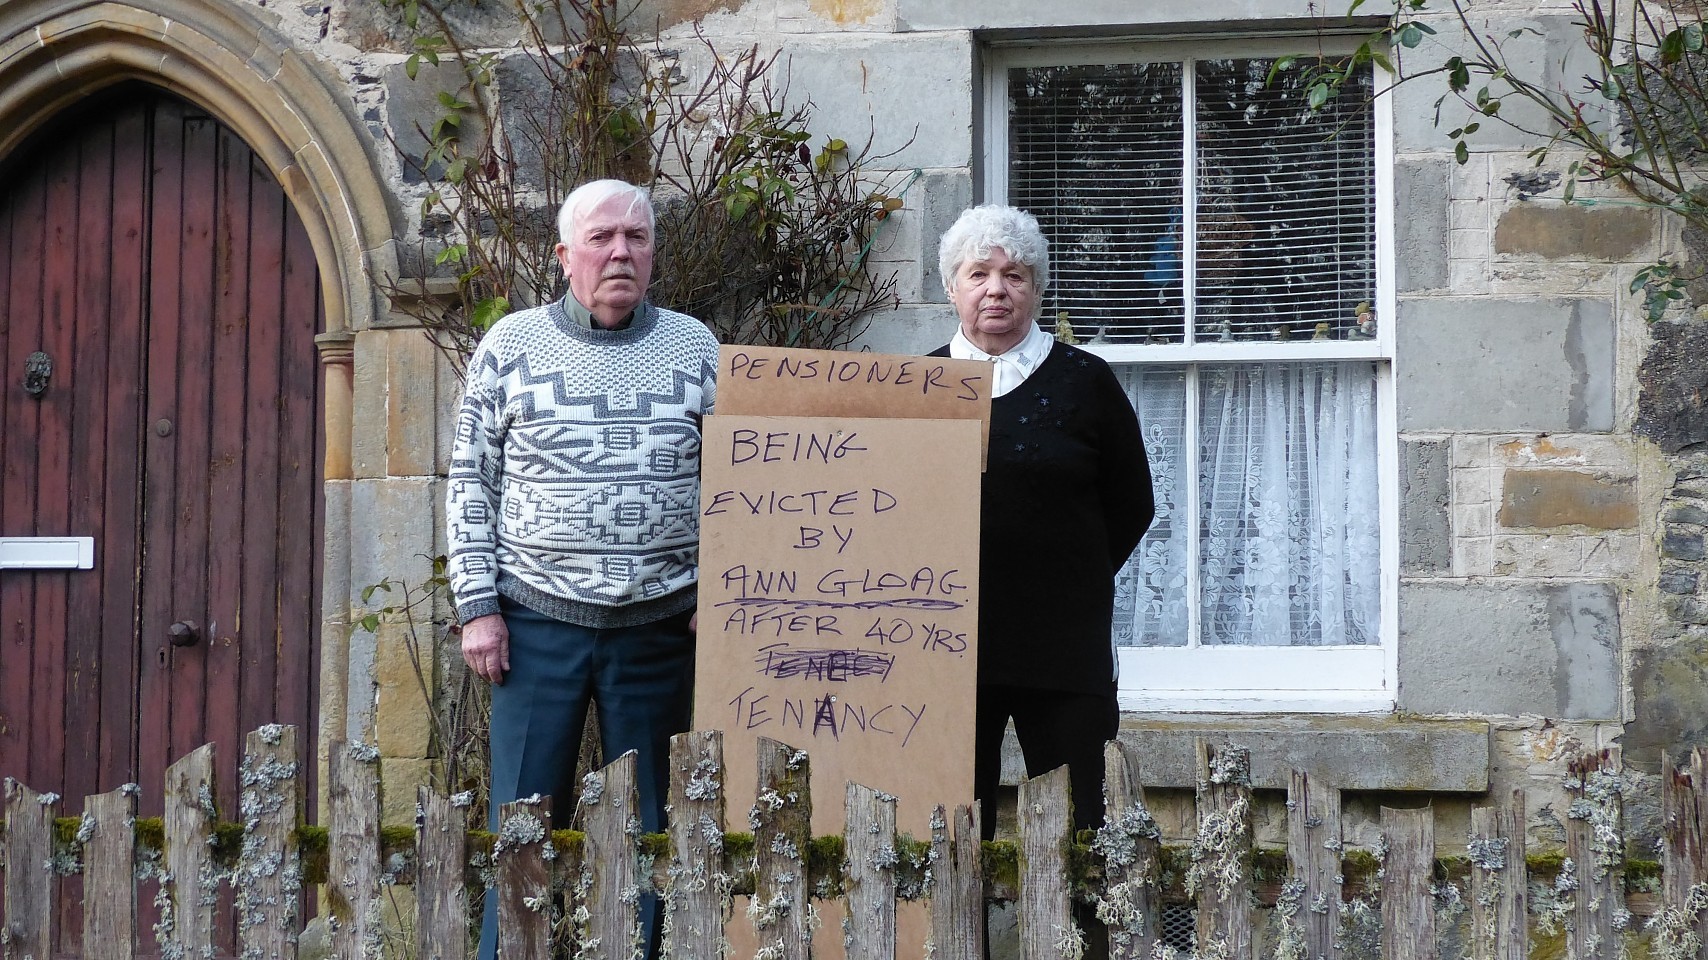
[{"x": 572, "y": 513}]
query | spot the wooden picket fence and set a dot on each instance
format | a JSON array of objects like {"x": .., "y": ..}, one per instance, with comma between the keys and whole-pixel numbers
[{"x": 586, "y": 882}]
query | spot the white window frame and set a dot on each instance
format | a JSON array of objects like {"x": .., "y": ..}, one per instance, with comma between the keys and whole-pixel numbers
[{"x": 1328, "y": 679}]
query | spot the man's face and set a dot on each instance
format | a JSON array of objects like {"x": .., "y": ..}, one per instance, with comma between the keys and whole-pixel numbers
[{"x": 609, "y": 259}]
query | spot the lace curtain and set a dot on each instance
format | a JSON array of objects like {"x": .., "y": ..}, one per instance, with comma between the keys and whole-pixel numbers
[{"x": 1286, "y": 513}]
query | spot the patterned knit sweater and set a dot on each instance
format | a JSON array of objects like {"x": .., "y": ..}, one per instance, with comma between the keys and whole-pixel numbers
[{"x": 575, "y": 470}]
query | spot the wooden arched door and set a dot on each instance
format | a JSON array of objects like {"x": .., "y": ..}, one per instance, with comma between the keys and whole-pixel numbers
[{"x": 154, "y": 262}]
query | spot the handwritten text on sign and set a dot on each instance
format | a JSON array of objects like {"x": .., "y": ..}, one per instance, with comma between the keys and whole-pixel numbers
[
  {"x": 765, "y": 381},
  {"x": 839, "y": 601}
]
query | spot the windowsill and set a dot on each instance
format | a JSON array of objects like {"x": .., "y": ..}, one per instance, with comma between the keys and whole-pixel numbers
[{"x": 1351, "y": 753}]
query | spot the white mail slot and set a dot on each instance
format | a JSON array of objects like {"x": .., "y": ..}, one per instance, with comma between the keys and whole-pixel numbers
[{"x": 47, "y": 553}]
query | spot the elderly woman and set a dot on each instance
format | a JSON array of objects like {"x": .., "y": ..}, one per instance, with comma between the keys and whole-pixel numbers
[{"x": 1067, "y": 495}]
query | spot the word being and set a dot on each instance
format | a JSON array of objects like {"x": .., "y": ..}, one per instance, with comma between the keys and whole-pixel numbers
[
  {"x": 829, "y": 715},
  {"x": 923, "y": 582},
  {"x": 921, "y": 374},
  {"x": 779, "y": 446},
  {"x": 776, "y": 620},
  {"x": 846, "y": 503},
  {"x": 784, "y": 662}
]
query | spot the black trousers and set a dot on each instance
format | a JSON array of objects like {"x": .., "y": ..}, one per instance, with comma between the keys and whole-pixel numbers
[{"x": 1054, "y": 728}]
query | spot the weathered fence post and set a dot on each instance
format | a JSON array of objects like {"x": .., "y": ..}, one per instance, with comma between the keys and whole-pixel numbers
[
  {"x": 441, "y": 899},
  {"x": 782, "y": 829},
  {"x": 1595, "y": 845},
  {"x": 1408, "y": 906},
  {"x": 1312, "y": 894},
  {"x": 1047, "y": 930},
  {"x": 1684, "y": 856},
  {"x": 109, "y": 874},
  {"x": 269, "y": 871},
  {"x": 1500, "y": 882},
  {"x": 1220, "y": 873},
  {"x": 610, "y": 808},
  {"x": 30, "y": 885},
  {"x": 353, "y": 850},
  {"x": 871, "y": 854},
  {"x": 957, "y": 891},
  {"x": 190, "y": 889},
  {"x": 525, "y": 880},
  {"x": 698, "y": 890},
  {"x": 1129, "y": 842}
]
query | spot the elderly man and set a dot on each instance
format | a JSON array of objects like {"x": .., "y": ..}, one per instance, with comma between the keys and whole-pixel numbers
[{"x": 572, "y": 513}]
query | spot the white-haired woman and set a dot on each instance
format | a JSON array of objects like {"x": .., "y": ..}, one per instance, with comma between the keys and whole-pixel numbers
[{"x": 1067, "y": 495}]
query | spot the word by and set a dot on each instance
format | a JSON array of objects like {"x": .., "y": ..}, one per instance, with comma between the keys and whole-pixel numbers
[
  {"x": 829, "y": 714},
  {"x": 921, "y": 373}
]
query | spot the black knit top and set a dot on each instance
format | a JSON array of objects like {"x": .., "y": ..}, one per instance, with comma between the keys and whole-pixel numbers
[{"x": 1067, "y": 495}]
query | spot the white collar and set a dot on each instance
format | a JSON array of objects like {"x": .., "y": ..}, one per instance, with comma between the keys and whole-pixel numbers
[{"x": 1013, "y": 365}]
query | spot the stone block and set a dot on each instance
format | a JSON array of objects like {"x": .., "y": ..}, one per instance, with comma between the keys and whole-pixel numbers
[
  {"x": 1420, "y": 224},
  {"x": 412, "y": 402},
  {"x": 1573, "y": 232},
  {"x": 1550, "y": 649},
  {"x": 1564, "y": 450},
  {"x": 1542, "y": 364},
  {"x": 872, "y": 84},
  {"x": 1352, "y": 753},
  {"x": 368, "y": 404},
  {"x": 1682, "y": 545},
  {"x": 1473, "y": 484},
  {"x": 1537, "y": 556},
  {"x": 1029, "y": 17},
  {"x": 1559, "y": 498},
  {"x": 412, "y": 106},
  {"x": 391, "y": 531},
  {"x": 1614, "y": 555},
  {"x": 714, "y": 18},
  {"x": 1473, "y": 556},
  {"x": 836, "y": 16},
  {"x": 1672, "y": 403},
  {"x": 1473, "y": 520},
  {"x": 1425, "y": 531},
  {"x": 404, "y": 670},
  {"x": 909, "y": 330},
  {"x": 1669, "y": 701},
  {"x": 335, "y": 594},
  {"x": 401, "y": 780},
  {"x": 1678, "y": 582},
  {"x": 1679, "y": 512}
]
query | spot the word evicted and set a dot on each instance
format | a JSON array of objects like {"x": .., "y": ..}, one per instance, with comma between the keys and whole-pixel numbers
[
  {"x": 919, "y": 374},
  {"x": 847, "y": 503},
  {"x": 827, "y": 715}
]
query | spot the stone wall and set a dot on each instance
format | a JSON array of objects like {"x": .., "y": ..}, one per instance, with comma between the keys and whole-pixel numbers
[{"x": 1553, "y": 504}]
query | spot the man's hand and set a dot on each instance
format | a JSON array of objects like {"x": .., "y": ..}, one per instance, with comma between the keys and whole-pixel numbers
[
  {"x": 486, "y": 647},
  {"x": 694, "y": 622}
]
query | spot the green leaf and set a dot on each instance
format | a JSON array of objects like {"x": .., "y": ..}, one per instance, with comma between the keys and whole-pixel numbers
[
  {"x": 412, "y": 66},
  {"x": 1317, "y": 95},
  {"x": 1571, "y": 189},
  {"x": 1458, "y": 75},
  {"x": 1354, "y": 8},
  {"x": 1410, "y": 35},
  {"x": 1672, "y": 47},
  {"x": 1693, "y": 37},
  {"x": 370, "y": 623},
  {"x": 451, "y": 254},
  {"x": 488, "y": 312},
  {"x": 1461, "y": 153},
  {"x": 1380, "y": 59},
  {"x": 1472, "y": 127},
  {"x": 1426, "y": 28},
  {"x": 1491, "y": 108},
  {"x": 1611, "y": 88}
]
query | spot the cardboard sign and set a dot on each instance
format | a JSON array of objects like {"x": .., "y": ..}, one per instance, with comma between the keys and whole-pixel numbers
[
  {"x": 770, "y": 381},
  {"x": 839, "y": 605}
]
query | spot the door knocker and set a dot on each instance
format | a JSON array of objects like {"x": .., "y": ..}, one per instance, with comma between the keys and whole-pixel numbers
[{"x": 37, "y": 369}]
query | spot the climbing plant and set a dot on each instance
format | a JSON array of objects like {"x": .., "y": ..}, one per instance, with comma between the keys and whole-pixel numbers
[
  {"x": 765, "y": 226},
  {"x": 1637, "y": 116}
]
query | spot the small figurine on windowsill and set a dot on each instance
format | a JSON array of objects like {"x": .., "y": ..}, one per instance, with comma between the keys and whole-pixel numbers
[
  {"x": 1064, "y": 329},
  {"x": 1366, "y": 328},
  {"x": 1321, "y": 331},
  {"x": 1283, "y": 332}
]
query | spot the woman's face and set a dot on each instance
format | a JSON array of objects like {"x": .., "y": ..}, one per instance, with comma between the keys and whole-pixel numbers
[{"x": 996, "y": 301}]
